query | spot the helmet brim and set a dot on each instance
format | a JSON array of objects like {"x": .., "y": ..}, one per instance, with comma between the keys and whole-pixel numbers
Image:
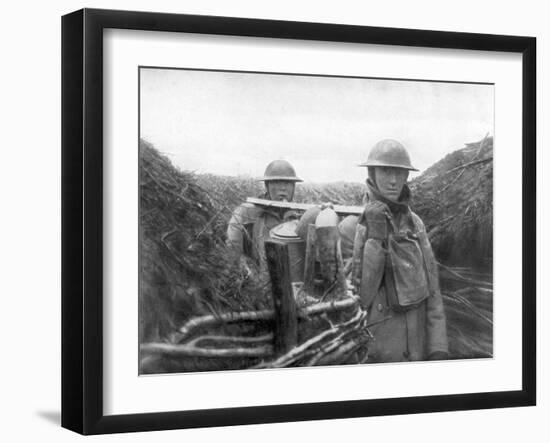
[
  {"x": 387, "y": 165},
  {"x": 280, "y": 178}
]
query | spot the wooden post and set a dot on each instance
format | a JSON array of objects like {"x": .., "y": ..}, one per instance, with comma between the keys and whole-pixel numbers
[
  {"x": 286, "y": 320},
  {"x": 311, "y": 257}
]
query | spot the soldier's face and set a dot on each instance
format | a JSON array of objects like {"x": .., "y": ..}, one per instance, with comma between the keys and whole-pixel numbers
[
  {"x": 390, "y": 181},
  {"x": 280, "y": 190}
]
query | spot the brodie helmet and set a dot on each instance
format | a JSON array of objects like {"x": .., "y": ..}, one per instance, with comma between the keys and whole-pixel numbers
[
  {"x": 280, "y": 170},
  {"x": 389, "y": 153}
]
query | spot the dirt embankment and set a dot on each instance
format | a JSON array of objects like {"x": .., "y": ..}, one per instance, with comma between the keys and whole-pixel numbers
[
  {"x": 184, "y": 267},
  {"x": 454, "y": 198}
]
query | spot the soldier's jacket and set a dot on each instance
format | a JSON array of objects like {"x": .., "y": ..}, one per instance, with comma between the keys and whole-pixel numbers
[
  {"x": 416, "y": 333},
  {"x": 248, "y": 229}
]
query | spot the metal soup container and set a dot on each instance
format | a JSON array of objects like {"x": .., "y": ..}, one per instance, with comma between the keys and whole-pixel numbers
[{"x": 286, "y": 232}]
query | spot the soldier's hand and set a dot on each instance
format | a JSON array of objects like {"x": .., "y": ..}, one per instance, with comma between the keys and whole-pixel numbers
[
  {"x": 327, "y": 205},
  {"x": 352, "y": 289},
  {"x": 375, "y": 217},
  {"x": 376, "y": 209},
  {"x": 291, "y": 215}
]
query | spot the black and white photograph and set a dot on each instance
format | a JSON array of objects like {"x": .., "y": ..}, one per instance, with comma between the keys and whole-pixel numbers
[{"x": 290, "y": 220}]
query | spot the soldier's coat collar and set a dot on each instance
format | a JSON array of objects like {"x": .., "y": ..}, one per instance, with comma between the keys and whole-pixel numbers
[{"x": 401, "y": 206}]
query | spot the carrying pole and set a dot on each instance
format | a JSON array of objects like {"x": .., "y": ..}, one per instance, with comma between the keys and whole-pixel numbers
[{"x": 339, "y": 209}]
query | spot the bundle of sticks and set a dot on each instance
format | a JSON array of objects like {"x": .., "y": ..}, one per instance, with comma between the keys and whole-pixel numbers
[{"x": 341, "y": 343}]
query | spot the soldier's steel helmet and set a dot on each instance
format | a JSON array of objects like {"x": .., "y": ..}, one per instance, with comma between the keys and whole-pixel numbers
[
  {"x": 389, "y": 153},
  {"x": 280, "y": 170}
]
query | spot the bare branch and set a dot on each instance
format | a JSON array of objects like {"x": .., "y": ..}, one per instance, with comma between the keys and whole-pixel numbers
[
  {"x": 463, "y": 279},
  {"x": 472, "y": 163},
  {"x": 263, "y": 315},
  {"x": 464, "y": 302},
  {"x": 298, "y": 351},
  {"x": 464, "y": 166},
  {"x": 186, "y": 350},
  {"x": 231, "y": 339}
]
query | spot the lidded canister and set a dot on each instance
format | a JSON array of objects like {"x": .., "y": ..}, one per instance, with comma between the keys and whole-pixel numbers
[
  {"x": 286, "y": 232},
  {"x": 327, "y": 242},
  {"x": 327, "y": 217}
]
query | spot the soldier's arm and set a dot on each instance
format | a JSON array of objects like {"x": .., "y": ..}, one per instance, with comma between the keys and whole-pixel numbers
[
  {"x": 242, "y": 216},
  {"x": 363, "y": 236},
  {"x": 235, "y": 234},
  {"x": 437, "y": 345},
  {"x": 436, "y": 323}
]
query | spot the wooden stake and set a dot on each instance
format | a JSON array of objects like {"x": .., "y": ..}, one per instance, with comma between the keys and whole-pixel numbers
[{"x": 286, "y": 320}]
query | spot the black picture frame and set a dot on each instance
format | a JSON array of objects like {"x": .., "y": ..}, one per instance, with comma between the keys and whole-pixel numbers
[{"x": 82, "y": 220}]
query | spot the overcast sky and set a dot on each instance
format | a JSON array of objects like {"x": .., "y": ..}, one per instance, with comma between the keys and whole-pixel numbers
[{"x": 236, "y": 123}]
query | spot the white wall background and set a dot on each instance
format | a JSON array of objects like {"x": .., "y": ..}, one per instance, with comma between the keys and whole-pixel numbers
[{"x": 30, "y": 219}]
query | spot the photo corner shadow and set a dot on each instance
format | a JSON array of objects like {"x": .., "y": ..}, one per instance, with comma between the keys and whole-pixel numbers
[{"x": 51, "y": 416}]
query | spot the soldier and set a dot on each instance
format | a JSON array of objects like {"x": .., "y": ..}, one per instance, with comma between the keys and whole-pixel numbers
[
  {"x": 249, "y": 225},
  {"x": 394, "y": 269}
]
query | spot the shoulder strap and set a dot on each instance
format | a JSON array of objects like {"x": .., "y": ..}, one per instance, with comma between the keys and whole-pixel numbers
[{"x": 430, "y": 262}]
